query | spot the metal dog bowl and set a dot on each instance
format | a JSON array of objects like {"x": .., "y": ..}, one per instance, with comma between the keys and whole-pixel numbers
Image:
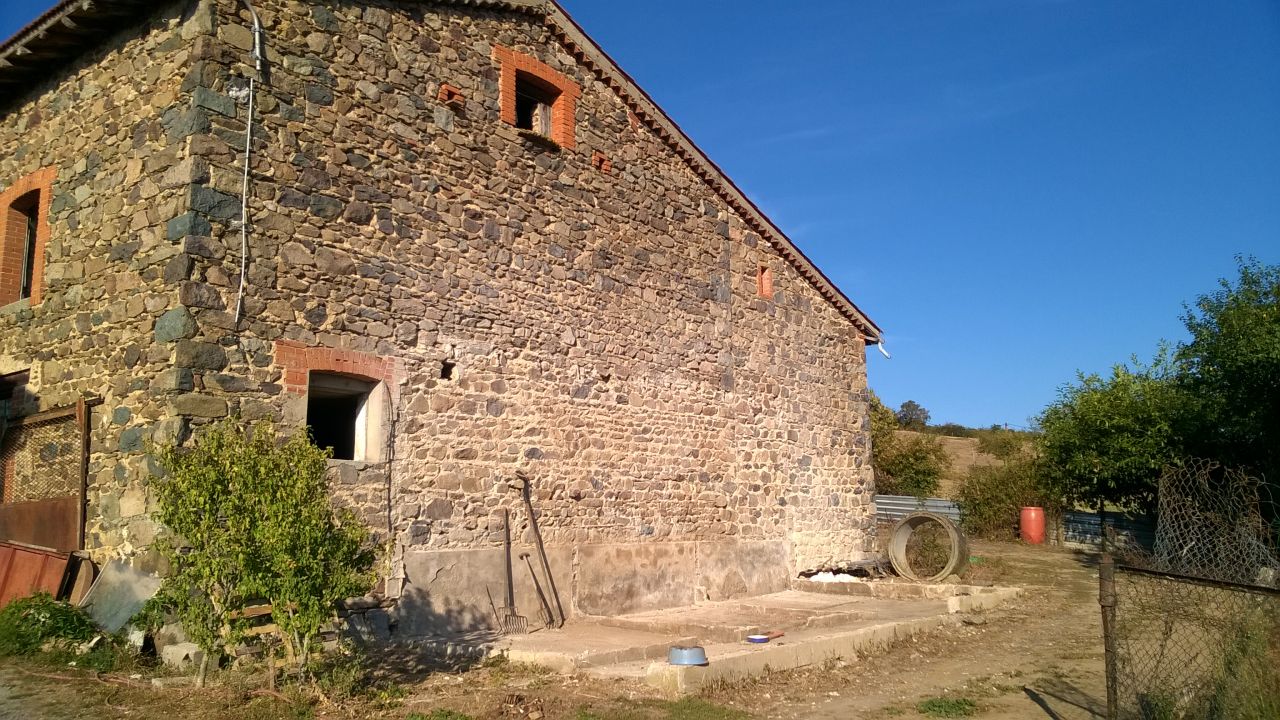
[{"x": 681, "y": 655}]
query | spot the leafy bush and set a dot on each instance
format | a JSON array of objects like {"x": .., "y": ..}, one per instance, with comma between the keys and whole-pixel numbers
[
  {"x": 911, "y": 465},
  {"x": 905, "y": 464},
  {"x": 28, "y": 623},
  {"x": 1001, "y": 443},
  {"x": 991, "y": 497},
  {"x": 254, "y": 522}
]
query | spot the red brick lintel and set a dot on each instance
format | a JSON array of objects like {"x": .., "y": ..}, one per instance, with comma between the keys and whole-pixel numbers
[{"x": 298, "y": 360}]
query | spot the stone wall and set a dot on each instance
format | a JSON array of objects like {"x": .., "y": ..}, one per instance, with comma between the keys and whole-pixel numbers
[
  {"x": 684, "y": 436},
  {"x": 603, "y": 318},
  {"x": 110, "y": 132}
]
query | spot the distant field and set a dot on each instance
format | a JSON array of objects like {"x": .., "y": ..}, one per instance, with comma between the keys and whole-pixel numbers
[{"x": 964, "y": 454}]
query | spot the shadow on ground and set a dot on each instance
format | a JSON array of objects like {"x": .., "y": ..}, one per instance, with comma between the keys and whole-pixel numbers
[{"x": 1061, "y": 700}]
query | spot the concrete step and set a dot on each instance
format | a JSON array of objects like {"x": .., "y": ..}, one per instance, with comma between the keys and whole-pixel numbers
[{"x": 587, "y": 644}]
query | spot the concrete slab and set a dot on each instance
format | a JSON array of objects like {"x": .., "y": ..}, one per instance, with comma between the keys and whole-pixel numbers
[
  {"x": 837, "y": 622},
  {"x": 588, "y": 645}
]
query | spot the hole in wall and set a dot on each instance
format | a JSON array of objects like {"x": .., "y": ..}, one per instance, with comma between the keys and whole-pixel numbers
[{"x": 447, "y": 369}]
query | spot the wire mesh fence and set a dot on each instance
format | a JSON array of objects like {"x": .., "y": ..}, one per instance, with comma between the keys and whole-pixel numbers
[
  {"x": 40, "y": 461},
  {"x": 1191, "y": 648},
  {"x": 1192, "y": 629}
]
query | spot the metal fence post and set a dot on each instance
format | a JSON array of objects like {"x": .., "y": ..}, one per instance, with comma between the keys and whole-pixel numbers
[{"x": 1107, "y": 599}]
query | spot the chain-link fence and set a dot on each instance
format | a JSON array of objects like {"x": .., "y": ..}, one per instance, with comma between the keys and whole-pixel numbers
[
  {"x": 1192, "y": 630},
  {"x": 40, "y": 461},
  {"x": 1190, "y": 648}
]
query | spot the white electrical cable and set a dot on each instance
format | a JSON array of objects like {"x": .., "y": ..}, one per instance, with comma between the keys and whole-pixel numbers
[
  {"x": 244, "y": 207},
  {"x": 248, "y": 148}
]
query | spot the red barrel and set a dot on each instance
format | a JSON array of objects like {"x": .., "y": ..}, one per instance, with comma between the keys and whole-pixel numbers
[{"x": 1032, "y": 525}]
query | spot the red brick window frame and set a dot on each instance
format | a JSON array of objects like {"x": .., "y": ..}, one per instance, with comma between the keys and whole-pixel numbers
[
  {"x": 764, "y": 281},
  {"x": 28, "y": 198},
  {"x": 516, "y": 66},
  {"x": 349, "y": 395},
  {"x": 298, "y": 360}
]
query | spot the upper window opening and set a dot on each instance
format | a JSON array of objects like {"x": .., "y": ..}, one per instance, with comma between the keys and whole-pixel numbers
[
  {"x": 13, "y": 394},
  {"x": 764, "y": 282},
  {"x": 26, "y": 215},
  {"x": 24, "y": 234},
  {"x": 535, "y": 97},
  {"x": 446, "y": 369},
  {"x": 534, "y": 101},
  {"x": 340, "y": 415}
]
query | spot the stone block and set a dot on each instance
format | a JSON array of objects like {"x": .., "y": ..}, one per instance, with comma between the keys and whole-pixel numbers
[
  {"x": 183, "y": 655},
  {"x": 214, "y": 204},
  {"x": 188, "y": 223},
  {"x": 221, "y": 104},
  {"x": 176, "y": 324},
  {"x": 131, "y": 439},
  {"x": 174, "y": 380},
  {"x": 197, "y": 405},
  {"x": 369, "y": 627},
  {"x": 199, "y": 355}
]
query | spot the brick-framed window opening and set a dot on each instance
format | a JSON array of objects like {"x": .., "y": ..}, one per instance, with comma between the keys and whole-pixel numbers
[
  {"x": 535, "y": 97},
  {"x": 341, "y": 412},
  {"x": 349, "y": 397},
  {"x": 534, "y": 101},
  {"x": 24, "y": 234},
  {"x": 27, "y": 212},
  {"x": 764, "y": 282}
]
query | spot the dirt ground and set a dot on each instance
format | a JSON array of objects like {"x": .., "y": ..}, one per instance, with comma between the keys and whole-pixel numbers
[{"x": 1038, "y": 656}]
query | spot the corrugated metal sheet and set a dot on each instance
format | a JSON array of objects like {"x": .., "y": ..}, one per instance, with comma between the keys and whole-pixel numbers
[
  {"x": 894, "y": 507},
  {"x": 25, "y": 571},
  {"x": 1084, "y": 529},
  {"x": 1079, "y": 529}
]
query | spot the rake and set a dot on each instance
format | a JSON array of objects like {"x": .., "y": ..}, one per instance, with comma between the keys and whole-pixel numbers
[{"x": 509, "y": 621}]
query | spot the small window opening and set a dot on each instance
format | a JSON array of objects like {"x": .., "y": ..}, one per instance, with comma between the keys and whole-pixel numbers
[
  {"x": 446, "y": 369},
  {"x": 764, "y": 282},
  {"x": 338, "y": 414},
  {"x": 534, "y": 101},
  {"x": 13, "y": 394},
  {"x": 28, "y": 209}
]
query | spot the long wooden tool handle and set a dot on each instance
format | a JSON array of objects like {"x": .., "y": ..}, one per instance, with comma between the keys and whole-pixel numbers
[
  {"x": 542, "y": 597},
  {"x": 542, "y": 553},
  {"x": 506, "y": 546}
]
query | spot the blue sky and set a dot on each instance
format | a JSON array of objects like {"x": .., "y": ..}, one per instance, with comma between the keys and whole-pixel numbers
[{"x": 1013, "y": 189}]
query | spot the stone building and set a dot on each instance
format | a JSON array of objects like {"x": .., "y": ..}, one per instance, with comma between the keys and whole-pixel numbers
[{"x": 474, "y": 247}]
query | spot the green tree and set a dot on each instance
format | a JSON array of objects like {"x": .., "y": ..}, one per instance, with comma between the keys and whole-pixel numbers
[
  {"x": 912, "y": 416},
  {"x": 252, "y": 521},
  {"x": 1107, "y": 439},
  {"x": 904, "y": 463},
  {"x": 1001, "y": 443},
  {"x": 1230, "y": 370}
]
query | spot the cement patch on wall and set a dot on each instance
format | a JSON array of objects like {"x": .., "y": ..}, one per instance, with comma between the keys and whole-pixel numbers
[
  {"x": 448, "y": 590},
  {"x": 619, "y": 579},
  {"x": 730, "y": 570}
]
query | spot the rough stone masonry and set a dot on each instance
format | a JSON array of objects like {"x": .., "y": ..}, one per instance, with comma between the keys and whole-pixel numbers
[{"x": 588, "y": 302}]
